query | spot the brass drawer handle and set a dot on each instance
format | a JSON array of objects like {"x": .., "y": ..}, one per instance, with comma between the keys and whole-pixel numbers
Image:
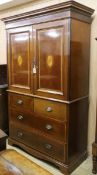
[
  {"x": 48, "y": 127},
  {"x": 49, "y": 109},
  {"x": 20, "y": 134},
  {"x": 19, "y": 102},
  {"x": 20, "y": 117},
  {"x": 48, "y": 146}
]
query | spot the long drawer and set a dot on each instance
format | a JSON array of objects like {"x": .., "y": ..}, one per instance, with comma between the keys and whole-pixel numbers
[
  {"x": 21, "y": 102},
  {"x": 48, "y": 126},
  {"x": 39, "y": 142},
  {"x": 51, "y": 108}
]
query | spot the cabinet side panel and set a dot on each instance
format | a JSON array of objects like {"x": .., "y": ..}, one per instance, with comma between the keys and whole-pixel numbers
[
  {"x": 80, "y": 52},
  {"x": 78, "y": 126}
]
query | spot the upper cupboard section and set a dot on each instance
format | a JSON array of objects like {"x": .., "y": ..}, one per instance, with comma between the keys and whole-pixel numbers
[
  {"x": 38, "y": 59},
  {"x": 48, "y": 51}
]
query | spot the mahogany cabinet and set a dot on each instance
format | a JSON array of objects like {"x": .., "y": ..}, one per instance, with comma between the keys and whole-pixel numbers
[
  {"x": 3, "y": 99},
  {"x": 48, "y": 66},
  {"x": 94, "y": 148}
]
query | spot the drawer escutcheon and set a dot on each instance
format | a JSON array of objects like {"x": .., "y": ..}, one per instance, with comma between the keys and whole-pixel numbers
[
  {"x": 19, "y": 102},
  {"x": 48, "y": 127},
  {"x": 48, "y": 146},
  {"x": 20, "y": 117},
  {"x": 49, "y": 109},
  {"x": 20, "y": 134}
]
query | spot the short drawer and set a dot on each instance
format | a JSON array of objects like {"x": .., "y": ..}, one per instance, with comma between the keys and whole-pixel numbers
[
  {"x": 21, "y": 102},
  {"x": 39, "y": 142},
  {"x": 48, "y": 126},
  {"x": 52, "y": 109}
]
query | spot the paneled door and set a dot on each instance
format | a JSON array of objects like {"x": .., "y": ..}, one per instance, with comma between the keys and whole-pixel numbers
[
  {"x": 20, "y": 58},
  {"x": 51, "y": 57}
]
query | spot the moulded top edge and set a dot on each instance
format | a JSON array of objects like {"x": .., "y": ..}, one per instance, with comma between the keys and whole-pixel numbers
[{"x": 61, "y": 6}]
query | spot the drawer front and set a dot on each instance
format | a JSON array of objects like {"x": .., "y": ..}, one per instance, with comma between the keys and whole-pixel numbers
[
  {"x": 39, "y": 142},
  {"x": 21, "y": 102},
  {"x": 50, "y": 108},
  {"x": 46, "y": 125}
]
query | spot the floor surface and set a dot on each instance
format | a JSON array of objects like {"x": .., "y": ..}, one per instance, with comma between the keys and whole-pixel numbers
[{"x": 84, "y": 169}]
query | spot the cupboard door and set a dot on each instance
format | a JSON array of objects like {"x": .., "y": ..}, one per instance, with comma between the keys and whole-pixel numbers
[
  {"x": 20, "y": 54},
  {"x": 51, "y": 52}
]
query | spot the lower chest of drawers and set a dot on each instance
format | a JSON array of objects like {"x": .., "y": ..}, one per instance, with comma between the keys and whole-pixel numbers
[
  {"x": 39, "y": 142},
  {"x": 40, "y": 124}
]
